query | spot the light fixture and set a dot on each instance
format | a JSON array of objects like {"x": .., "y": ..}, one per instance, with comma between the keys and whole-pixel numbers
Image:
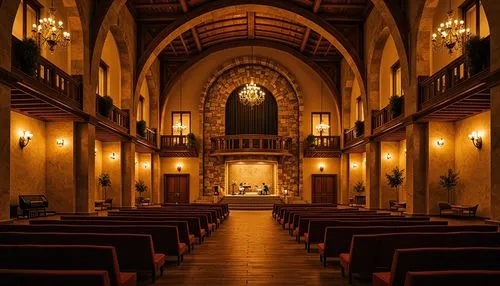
[
  {"x": 354, "y": 165},
  {"x": 440, "y": 142},
  {"x": 95, "y": 152},
  {"x": 178, "y": 126},
  {"x": 51, "y": 32},
  {"x": 60, "y": 142},
  {"x": 321, "y": 168},
  {"x": 25, "y": 138},
  {"x": 179, "y": 167},
  {"x": 146, "y": 165},
  {"x": 113, "y": 156},
  {"x": 388, "y": 156},
  {"x": 285, "y": 192},
  {"x": 251, "y": 94},
  {"x": 322, "y": 126},
  {"x": 451, "y": 34},
  {"x": 476, "y": 139}
]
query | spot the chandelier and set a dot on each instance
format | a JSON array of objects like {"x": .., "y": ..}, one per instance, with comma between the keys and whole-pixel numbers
[
  {"x": 178, "y": 126},
  {"x": 451, "y": 34},
  {"x": 252, "y": 95},
  {"x": 51, "y": 32},
  {"x": 322, "y": 126}
]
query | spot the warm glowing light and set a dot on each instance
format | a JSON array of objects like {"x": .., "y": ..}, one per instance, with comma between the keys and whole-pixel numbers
[
  {"x": 60, "y": 142},
  {"x": 476, "y": 139},
  {"x": 322, "y": 127},
  {"x": 113, "y": 156},
  {"x": 321, "y": 167},
  {"x": 251, "y": 95},
  {"x": 179, "y": 167},
  {"x": 354, "y": 165},
  {"x": 388, "y": 156},
  {"x": 25, "y": 138},
  {"x": 451, "y": 34},
  {"x": 440, "y": 142},
  {"x": 146, "y": 165},
  {"x": 179, "y": 127},
  {"x": 51, "y": 32}
]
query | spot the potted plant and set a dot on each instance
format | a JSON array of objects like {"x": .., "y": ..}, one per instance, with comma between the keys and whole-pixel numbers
[
  {"x": 449, "y": 181},
  {"x": 395, "y": 179},
  {"x": 310, "y": 140},
  {"x": 140, "y": 187},
  {"x": 476, "y": 54},
  {"x": 359, "y": 188},
  {"x": 28, "y": 56},
  {"x": 396, "y": 105},
  {"x": 104, "y": 182},
  {"x": 191, "y": 140},
  {"x": 141, "y": 128},
  {"x": 105, "y": 105},
  {"x": 359, "y": 128}
]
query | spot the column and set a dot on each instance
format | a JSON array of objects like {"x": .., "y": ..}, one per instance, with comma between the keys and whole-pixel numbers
[
  {"x": 128, "y": 174},
  {"x": 373, "y": 175},
  {"x": 495, "y": 154},
  {"x": 416, "y": 168},
  {"x": 344, "y": 179},
  {"x": 155, "y": 178},
  {"x": 4, "y": 153},
  {"x": 84, "y": 167}
]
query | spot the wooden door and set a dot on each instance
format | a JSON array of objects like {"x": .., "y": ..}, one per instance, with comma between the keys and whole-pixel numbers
[
  {"x": 176, "y": 188},
  {"x": 324, "y": 189}
]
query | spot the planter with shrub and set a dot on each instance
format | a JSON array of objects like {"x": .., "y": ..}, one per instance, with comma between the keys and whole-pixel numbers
[
  {"x": 396, "y": 105},
  {"x": 359, "y": 128},
  {"x": 141, "y": 128},
  {"x": 28, "y": 56},
  {"x": 105, "y": 105},
  {"x": 191, "y": 140},
  {"x": 477, "y": 53},
  {"x": 311, "y": 140}
]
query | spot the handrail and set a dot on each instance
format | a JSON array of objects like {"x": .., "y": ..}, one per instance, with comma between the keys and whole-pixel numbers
[
  {"x": 150, "y": 135},
  {"x": 53, "y": 77},
  {"x": 251, "y": 143},
  {"x": 118, "y": 116},
  {"x": 173, "y": 142},
  {"x": 350, "y": 135},
  {"x": 323, "y": 143},
  {"x": 385, "y": 115}
]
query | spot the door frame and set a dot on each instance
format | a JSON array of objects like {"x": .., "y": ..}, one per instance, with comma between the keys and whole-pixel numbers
[
  {"x": 188, "y": 194},
  {"x": 336, "y": 192}
]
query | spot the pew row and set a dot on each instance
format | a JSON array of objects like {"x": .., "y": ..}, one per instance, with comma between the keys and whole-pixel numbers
[{"x": 29, "y": 277}]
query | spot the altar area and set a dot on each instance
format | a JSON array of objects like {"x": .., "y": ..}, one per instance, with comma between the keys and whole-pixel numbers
[{"x": 248, "y": 178}]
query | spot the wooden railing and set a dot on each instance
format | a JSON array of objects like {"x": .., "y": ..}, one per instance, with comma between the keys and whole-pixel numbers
[
  {"x": 118, "y": 116},
  {"x": 53, "y": 77},
  {"x": 350, "y": 135},
  {"x": 326, "y": 143},
  {"x": 251, "y": 143},
  {"x": 452, "y": 75},
  {"x": 381, "y": 117},
  {"x": 173, "y": 142},
  {"x": 150, "y": 135}
]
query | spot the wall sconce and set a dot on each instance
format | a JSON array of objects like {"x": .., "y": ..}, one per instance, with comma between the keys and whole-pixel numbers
[
  {"x": 95, "y": 152},
  {"x": 285, "y": 192},
  {"x": 179, "y": 167},
  {"x": 113, "y": 156},
  {"x": 388, "y": 156},
  {"x": 136, "y": 162},
  {"x": 60, "y": 142},
  {"x": 354, "y": 165},
  {"x": 440, "y": 142},
  {"x": 321, "y": 168},
  {"x": 146, "y": 165},
  {"x": 476, "y": 139},
  {"x": 25, "y": 138}
]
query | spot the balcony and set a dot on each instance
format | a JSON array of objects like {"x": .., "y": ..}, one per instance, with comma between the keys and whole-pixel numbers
[
  {"x": 384, "y": 120},
  {"x": 117, "y": 123},
  {"x": 453, "y": 93},
  {"x": 148, "y": 141},
  {"x": 352, "y": 139},
  {"x": 323, "y": 147},
  {"x": 50, "y": 94},
  {"x": 251, "y": 144},
  {"x": 176, "y": 146}
]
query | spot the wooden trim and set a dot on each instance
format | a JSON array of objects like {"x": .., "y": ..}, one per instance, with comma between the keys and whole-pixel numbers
[
  {"x": 180, "y": 113},
  {"x": 321, "y": 118}
]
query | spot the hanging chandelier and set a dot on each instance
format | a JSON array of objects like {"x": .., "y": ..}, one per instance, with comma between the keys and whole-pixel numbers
[
  {"x": 252, "y": 95},
  {"x": 451, "y": 34},
  {"x": 322, "y": 126},
  {"x": 178, "y": 126},
  {"x": 51, "y": 32}
]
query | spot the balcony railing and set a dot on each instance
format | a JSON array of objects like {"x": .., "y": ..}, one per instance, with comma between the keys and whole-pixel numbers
[
  {"x": 324, "y": 146},
  {"x": 350, "y": 136},
  {"x": 442, "y": 83},
  {"x": 251, "y": 143},
  {"x": 49, "y": 75},
  {"x": 118, "y": 116},
  {"x": 384, "y": 116},
  {"x": 176, "y": 146},
  {"x": 150, "y": 136}
]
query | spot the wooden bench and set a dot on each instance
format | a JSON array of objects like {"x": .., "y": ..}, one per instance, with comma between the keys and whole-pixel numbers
[
  {"x": 338, "y": 239},
  {"x": 29, "y": 277},
  {"x": 135, "y": 252},
  {"x": 453, "y": 278},
  {"x": 431, "y": 259},
  {"x": 66, "y": 257},
  {"x": 295, "y": 217}
]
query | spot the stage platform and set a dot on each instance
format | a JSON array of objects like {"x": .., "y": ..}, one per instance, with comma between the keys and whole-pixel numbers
[{"x": 251, "y": 201}]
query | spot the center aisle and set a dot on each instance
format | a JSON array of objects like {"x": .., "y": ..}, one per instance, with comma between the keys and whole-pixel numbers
[{"x": 250, "y": 248}]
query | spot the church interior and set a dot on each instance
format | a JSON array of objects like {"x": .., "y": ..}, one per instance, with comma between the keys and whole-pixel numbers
[{"x": 249, "y": 142}]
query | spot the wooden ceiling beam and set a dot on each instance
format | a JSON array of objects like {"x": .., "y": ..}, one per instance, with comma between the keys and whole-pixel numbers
[
  {"x": 184, "y": 6},
  {"x": 316, "y": 5},
  {"x": 196, "y": 37},
  {"x": 317, "y": 45},
  {"x": 251, "y": 25},
  {"x": 327, "y": 50},
  {"x": 173, "y": 49},
  {"x": 184, "y": 44}
]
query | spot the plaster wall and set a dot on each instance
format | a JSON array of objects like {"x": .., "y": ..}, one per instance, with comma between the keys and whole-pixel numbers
[
  {"x": 402, "y": 166},
  {"x": 354, "y": 99},
  {"x": 144, "y": 170},
  {"x": 113, "y": 168},
  {"x": 98, "y": 170},
  {"x": 355, "y": 171},
  {"x": 389, "y": 58},
  {"x": 110, "y": 55},
  {"x": 386, "y": 167},
  {"x": 145, "y": 95}
]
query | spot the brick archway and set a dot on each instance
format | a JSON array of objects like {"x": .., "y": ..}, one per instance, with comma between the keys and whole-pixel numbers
[{"x": 282, "y": 85}]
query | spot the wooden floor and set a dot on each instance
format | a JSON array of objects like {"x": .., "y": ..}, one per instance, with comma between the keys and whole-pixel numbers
[{"x": 250, "y": 248}]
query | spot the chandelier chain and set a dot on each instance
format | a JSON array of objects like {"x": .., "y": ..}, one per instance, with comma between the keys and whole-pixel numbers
[
  {"x": 451, "y": 34},
  {"x": 50, "y": 32}
]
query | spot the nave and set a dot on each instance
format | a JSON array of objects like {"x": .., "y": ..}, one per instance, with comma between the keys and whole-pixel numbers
[{"x": 250, "y": 248}]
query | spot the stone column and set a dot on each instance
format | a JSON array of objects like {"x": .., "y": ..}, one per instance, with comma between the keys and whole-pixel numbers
[
  {"x": 4, "y": 153},
  {"x": 344, "y": 179},
  {"x": 84, "y": 167},
  {"x": 373, "y": 175},
  {"x": 155, "y": 178},
  {"x": 128, "y": 174},
  {"x": 495, "y": 154},
  {"x": 416, "y": 167}
]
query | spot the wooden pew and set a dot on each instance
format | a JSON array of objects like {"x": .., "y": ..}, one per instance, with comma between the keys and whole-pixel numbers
[
  {"x": 135, "y": 252},
  {"x": 294, "y": 217},
  {"x": 66, "y": 257},
  {"x": 338, "y": 239},
  {"x": 165, "y": 238},
  {"x": 30, "y": 277},
  {"x": 430, "y": 259},
  {"x": 211, "y": 215},
  {"x": 453, "y": 278}
]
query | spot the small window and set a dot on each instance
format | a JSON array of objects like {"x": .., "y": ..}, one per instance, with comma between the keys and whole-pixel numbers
[
  {"x": 475, "y": 18},
  {"x": 317, "y": 118},
  {"x": 360, "y": 111},
  {"x": 184, "y": 117},
  {"x": 28, "y": 14},
  {"x": 102, "y": 85},
  {"x": 397, "y": 88},
  {"x": 141, "y": 107}
]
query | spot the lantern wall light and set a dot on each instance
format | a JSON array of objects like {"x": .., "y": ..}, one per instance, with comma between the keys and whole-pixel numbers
[
  {"x": 476, "y": 139},
  {"x": 25, "y": 138}
]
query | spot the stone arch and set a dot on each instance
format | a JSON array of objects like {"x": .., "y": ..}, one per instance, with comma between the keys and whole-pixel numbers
[
  {"x": 126, "y": 66},
  {"x": 492, "y": 10},
  {"x": 423, "y": 38},
  {"x": 221, "y": 8},
  {"x": 154, "y": 100},
  {"x": 9, "y": 9},
  {"x": 287, "y": 93}
]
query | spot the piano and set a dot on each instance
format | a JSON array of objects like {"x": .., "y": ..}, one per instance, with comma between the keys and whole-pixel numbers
[{"x": 33, "y": 205}]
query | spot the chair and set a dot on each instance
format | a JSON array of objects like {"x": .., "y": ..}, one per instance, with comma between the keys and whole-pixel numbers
[
  {"x": 445, "y": 209},
  {"x": 470, "y": 211},
  {"x": 108, "y": 204}
]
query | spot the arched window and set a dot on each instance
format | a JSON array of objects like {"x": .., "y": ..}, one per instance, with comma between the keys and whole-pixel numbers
[{"x": 242, "y": 119}]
